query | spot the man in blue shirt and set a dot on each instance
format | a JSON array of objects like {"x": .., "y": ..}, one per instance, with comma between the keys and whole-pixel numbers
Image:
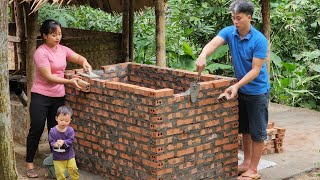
[{"x": 248, "y": 49}]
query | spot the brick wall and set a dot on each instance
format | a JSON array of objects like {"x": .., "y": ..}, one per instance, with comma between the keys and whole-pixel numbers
[{"x": 134, "y": 123}]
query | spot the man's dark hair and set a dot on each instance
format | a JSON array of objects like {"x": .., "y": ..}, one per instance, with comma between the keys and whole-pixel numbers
[
  {"x": 242, "y": 6},
  {"x": 49, "y": 26}
]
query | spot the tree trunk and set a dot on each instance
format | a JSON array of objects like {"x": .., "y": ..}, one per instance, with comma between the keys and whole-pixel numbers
[
  {"x": 160, "y": 33},
  {"x": 30, "y": 49},
  {"x": 7, "y": 156},
  {"x": 131, "y": 25},
  {"x": 125, "y": 30},
  {"x": 266, "y": 29}
]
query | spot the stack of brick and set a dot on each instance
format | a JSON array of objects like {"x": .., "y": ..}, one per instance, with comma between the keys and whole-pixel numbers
[
  {"x": 274, "y": 142},
  {"x": 135, "y": 122}
]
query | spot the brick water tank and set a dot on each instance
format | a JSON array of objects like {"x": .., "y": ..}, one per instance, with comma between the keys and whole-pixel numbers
[{"x": 136, "y": 122}]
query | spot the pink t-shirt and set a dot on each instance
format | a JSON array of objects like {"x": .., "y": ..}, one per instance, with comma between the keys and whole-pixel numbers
[{"x": 56, "y": 60}]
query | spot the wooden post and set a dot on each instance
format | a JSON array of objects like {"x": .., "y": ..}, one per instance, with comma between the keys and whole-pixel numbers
[
  {"x": 20, "y": 33},
  {"x": 7, "y": 156},
  {"x": 30, "y": 49},
  {"x": 160, "y": 33},
  {"x": 131, "y": 28},
  {"x": 125, "y": 30},
  {"x": 265, "y": 11}
]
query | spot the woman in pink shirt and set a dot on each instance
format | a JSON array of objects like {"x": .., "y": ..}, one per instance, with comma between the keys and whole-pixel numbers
[{"x": 47, "y": 92}]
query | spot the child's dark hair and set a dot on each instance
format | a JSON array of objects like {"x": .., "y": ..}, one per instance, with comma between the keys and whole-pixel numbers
[
  {"x": 49, "y": 26},
  {"x": 64, "y": 110},
  {"x": 242, "y": 6}
]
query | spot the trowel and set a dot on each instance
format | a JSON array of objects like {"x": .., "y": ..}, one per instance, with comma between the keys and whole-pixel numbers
[
  {"x": 194, "y": 89},
  {"x": 89, "y": 74},
  {"x": 59, "y": 150}
]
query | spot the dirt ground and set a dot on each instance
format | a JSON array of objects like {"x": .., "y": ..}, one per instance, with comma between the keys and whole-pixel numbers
[
  {"x": 313, "y": 174},
  {"x": 310, "y": 175},
  {"x": 300, "y": 159},
  {"x": 43, "y": 174},
  {"x": 21, "y": 164}
]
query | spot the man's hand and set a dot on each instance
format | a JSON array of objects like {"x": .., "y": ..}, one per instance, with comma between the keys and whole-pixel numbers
[
  {"x": 201, "y": 62},
  {"x": 232, "y": 91}
]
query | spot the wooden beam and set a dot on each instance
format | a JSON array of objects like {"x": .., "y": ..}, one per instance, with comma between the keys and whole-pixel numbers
[
  {"x": 125, "y": 30},
  {"x": 160, "y": 33},
  {"x": 131, "y": 29},
  {"x": 266, "y": 29},
  {"x": 14, "y": 39},
  {"x": 21, "y": 35}
]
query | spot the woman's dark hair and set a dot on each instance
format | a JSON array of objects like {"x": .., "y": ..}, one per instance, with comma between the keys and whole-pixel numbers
[{"x": 49, "y": 26}]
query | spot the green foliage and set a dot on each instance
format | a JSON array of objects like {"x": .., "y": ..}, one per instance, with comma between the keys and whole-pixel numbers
[
  {"x": 294, "y": 29},
  {"x": 81, "y": 17},
  {"x": 295, "y": 39},
  {"x": 294, "y": 84},
  {"x": 190, "y": 24}
]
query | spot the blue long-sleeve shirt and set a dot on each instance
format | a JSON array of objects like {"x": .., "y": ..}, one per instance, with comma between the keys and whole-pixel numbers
[{"x": 68, "y": 137}]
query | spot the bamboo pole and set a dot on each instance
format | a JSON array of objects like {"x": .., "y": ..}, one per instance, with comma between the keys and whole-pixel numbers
[
  {"x": 125, "y": 31},
  {"x": 160, "y": 33}
]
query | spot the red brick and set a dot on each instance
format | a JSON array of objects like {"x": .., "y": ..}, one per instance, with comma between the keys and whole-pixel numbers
[
  {"x": 270, "y": 125},
  {"x": 85, "y": 143},
  {"x": 126, "y": 156},
  {"x": 185, "y": 151},
  {"x": 97, "y": 147},
  {"x": 221, "y": 83},
  {"x": 162, "y": 93},
  {"x": 194, "y": 141},
  {"x": 174, "y": 131},
  {"x": 228, "y": 147},
  {"x": 184, "y": 121},
  {"x": 112, "y": 85},
  {"x": 230, "y": 103},
  {"x": 186, "y": 165},
  {"x": 110, "y": 68},
  {"x": 206, "y": 85},
  {"x": 219, "y": 142},
  {"x": 174, "y": 146},
  {"x": 211, "y": 123},
  {"x": 149, "y": 163},
  {"x": 203, "y": 147},
  {"x": 230, "y": 119},
  {"x": 164, "y": 171}
]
